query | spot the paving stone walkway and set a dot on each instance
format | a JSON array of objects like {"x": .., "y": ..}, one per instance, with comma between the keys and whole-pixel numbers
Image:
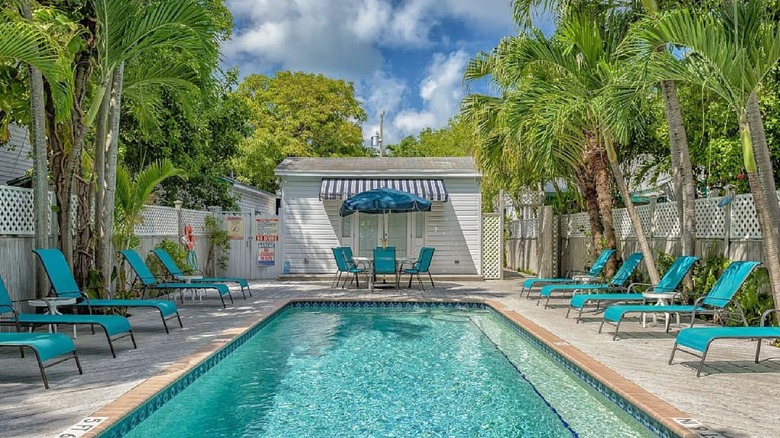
[{"x": 736, "y": 397}]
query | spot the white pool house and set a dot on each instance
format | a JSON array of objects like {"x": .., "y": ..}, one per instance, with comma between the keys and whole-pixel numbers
[{"x": 312, "y": 190}]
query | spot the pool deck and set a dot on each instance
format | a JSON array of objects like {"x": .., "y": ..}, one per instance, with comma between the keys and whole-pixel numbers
[{"x": 734, "y": 396}]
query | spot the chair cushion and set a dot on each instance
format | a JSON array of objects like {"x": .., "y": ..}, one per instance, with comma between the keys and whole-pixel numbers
[
  {"x": 698, "y": 338},
  {"x": 166, "y": 307},
  {"x": 616, "y": 313},
  {"x": 113, "y": 324},
  {"x": 48, "y": 345},
  {"x": 242, "y": 282},
  {"x": 221, "y": 288},
  {"x": 548, "y": 290},
  {"x": 530, "y": 282},
  {"x": 579, "y": 300}
]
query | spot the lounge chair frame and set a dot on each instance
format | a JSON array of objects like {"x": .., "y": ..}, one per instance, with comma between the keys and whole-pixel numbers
[
  {"x": 175, "y": 275},
  {"x": 595, "y": 271},
  {"x": 703, "y": 356},
  {"x": 41, "y": 365}
]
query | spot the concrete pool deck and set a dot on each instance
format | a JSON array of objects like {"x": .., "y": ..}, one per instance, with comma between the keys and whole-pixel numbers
[{"x": 736, "y": 398}]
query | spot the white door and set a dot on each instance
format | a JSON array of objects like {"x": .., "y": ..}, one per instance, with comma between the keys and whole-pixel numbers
[
  {"x": 397, "y": 226},
  {"x": 367, "y": 234}
]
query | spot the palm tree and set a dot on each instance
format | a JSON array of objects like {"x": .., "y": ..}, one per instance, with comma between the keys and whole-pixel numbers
[
  {"x": 731, "y": 51},
  {"x": 130, "y": 35}
]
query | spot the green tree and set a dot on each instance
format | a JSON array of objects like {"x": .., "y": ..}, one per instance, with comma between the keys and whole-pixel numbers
[
  {"x": 297, "y": 114},
  {"x": 454, "y": 140}
]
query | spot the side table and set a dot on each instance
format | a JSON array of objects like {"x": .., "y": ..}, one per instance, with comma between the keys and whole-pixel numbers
[{"x": 51, "y": 305}]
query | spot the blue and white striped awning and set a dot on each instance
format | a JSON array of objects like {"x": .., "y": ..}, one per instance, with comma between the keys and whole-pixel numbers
[{"x": 341, "y": 188}]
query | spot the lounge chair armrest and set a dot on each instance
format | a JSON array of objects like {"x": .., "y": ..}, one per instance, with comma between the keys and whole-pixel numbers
[
  {"x": 766, "y": 314},
  {"x": 633, "y": 285},
  {"x": 573, "y": 272},
  {"x": 405, "y": 262}
]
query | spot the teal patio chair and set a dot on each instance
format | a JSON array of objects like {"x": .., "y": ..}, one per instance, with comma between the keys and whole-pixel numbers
[
  {"x": 669, "y": 283},
  {"x": 345, "y": 265},
  {"x": 384, "y": 262},
  {"x": 714, "y": 302},
  {"x": 64, "y": 285},
  {"x": 115, "y": 327},
  {"x": 594, "y": 272},
  {"x": 699, "y": 339},
  {"x": 176, "y": 273},
  {"x": 617, "y": 282},
  {"x": 53, "y": 348},
  {"x": 149, "y": 281},
  {"x": 421, "y": 266}
]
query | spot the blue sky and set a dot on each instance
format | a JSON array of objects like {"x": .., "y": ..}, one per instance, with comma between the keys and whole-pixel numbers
[{"x": 404, "y": 56}]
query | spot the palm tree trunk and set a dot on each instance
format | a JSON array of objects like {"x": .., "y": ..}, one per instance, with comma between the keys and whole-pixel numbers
[
  {"x": 101, "y": 132},
  {"x": 110, "y": 175},
  {"x": 681, "y": 169},
  {"x": 587, "y": 189},
  {"x": 769, "y": 218},
  {"x": 596, "y": 162},
  {"x": 40, "y": 163}
]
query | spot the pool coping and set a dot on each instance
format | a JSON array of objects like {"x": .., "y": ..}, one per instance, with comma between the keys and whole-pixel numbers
[{"x": 656, "y": 408}]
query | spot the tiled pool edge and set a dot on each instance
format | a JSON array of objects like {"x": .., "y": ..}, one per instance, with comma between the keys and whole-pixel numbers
[{"x": 172, "y": 380}]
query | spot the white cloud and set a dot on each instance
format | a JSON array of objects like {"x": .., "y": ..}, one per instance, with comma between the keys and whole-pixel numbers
[{"x": 440, "y": 91}]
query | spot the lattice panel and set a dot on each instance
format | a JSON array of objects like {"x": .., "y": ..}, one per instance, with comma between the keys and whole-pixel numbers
[
  {"x": 556, "y": 246},
  {"x": 744, "y": 222},
  {"x": 197, "y": 219},
  {"x": 622, "y": 221},
  {"x": 579, "y": 225},
  {"x": 491, "y": 246},
  {"x": 16, "y": 211},
  {"x": 665, "y": 220},
  {"x": 710, "y": 219},
  {"x": 645, "y": 213},
  {"x": 158, "y": 221},
  {"x": 526, "y": 198}
]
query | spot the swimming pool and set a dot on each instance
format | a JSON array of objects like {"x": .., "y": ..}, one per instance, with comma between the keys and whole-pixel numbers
[{"x": 325, "y": 369}]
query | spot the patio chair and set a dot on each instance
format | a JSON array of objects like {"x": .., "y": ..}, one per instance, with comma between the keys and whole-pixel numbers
[
  {"x": 176, "y": 273},
  {"x": 150, "y": 282},
  {"x": 384, "y": 262},
  {"x": 699, "y": 339},
  {"x": 115, "y": 327},
  {"x": 617, "y": 282},
  {"x": 64, "y": 285},
  {"x": 53, "y": 348},
  {"x": 345, "y": 264},
  {"x": 421, "y": 266},
  {"x": 594, "y": 272},
  {"x": 669, "y": 283},
  {"x": 714, "y": 302}
]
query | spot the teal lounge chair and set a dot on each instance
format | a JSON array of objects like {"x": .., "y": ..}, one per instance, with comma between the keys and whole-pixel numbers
[
  {"x": 345, "y": 265},
  {"x": 617, "y": 282},
  {"x": 64, "y": 285},
  {"x": 421, "y": 266},
  {"x": 115, "y": 327},
  {"x": 714, "y": 302},
  {"x": 699, "y": 339},
  {"x": 669, "y": 283},
  {"x": 594, "y": 271},
  {"x": 53, "y": 348},
  {"x": 149, "y": 281},
  {"x": 172, "y": 268}
]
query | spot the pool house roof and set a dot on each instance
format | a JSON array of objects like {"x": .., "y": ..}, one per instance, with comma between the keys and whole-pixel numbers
[{"x": 380, "y": 166}]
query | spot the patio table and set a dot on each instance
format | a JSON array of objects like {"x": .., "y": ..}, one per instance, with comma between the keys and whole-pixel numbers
[{"x": 370, "y": 262}]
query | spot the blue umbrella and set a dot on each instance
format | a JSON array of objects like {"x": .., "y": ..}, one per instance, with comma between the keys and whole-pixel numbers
[{"x": 384, "y": 201}]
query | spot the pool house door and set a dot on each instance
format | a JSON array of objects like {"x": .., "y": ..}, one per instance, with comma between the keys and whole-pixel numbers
[{"x": 404, "y": 231}]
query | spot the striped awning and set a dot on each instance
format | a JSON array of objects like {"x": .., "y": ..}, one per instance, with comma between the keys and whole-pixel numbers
[{"x": 341, "y": 188}]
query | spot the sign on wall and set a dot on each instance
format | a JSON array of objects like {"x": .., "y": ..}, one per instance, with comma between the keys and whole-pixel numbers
[
  {"x": 266, "y": 229},
  {"x": 235, "y": 227},
  {"x": 266, "y": 254}
]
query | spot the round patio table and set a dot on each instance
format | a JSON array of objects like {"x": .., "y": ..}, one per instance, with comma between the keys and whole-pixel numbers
[
  {"x": 661, "y": 299},
  {"x": 51, "y": 304},
  {"x": 370, "y": 262}
]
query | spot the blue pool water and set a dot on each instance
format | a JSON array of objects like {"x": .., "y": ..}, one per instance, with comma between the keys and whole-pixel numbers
[{"x": 411, "y": 372}]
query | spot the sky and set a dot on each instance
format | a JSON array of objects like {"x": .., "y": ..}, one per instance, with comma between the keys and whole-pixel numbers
[{"x": 405, "y": 57}]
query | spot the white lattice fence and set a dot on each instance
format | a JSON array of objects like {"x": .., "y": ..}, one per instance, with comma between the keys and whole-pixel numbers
[
  {"x": 665, "y": 220},
  {"x": 744, "y": 222},
  {"x": 16, "y": 211},
  {"x": 710, "y": 219},
  {"x": 492, "y": 242},
  {"x": 645, "y": 213},
  {"x": 158, "y": 221},
  {"x": 579, "y": 225},
  {"x": 195, "y": 218},
  {"x": 622, "y": 222}
]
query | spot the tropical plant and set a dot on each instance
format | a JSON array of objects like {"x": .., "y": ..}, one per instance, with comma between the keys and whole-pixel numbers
[
  {"x": 730, "y": 51},
  {"x": 218, "y": 247}
]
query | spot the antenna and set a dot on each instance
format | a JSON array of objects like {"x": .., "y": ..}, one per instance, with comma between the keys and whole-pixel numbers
[{"x": 381, "y": 139}]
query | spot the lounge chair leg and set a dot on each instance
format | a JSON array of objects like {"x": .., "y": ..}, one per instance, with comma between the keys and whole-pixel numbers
[
  {"x": 758, "y": 348},
  {"x": 248, "y": 289},
  {"x": 602, "y": 325},
  {"x": 78, "y": 362},
  {"x": 111, "y": 346},
  {"x": 231, "y": 297},
  {"x": 43, "y": 371},
  {"x": 224, "y": 306},
  {"x": 547, "y": 302},
  {"x": 165, "y": 324},
  {"x": 430, "y": 277},
  {"x": 617, "y": 327},
  {"x": 243, "y": 294},
  {"x": 410, "y": 281},
  {"x": 674, "y": 350},
  {"x": 567, "y": 312},
  {"x": 701, "y": 364},
  {"x": 132, "y": 338},
  {"x": 179, "y": 318},
  {"x": 419, "y": 280}
]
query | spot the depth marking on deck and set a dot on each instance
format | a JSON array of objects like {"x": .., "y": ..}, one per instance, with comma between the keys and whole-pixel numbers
[
  {"x": 699, "y": 428},
  {"x": 82, "y": 427}
]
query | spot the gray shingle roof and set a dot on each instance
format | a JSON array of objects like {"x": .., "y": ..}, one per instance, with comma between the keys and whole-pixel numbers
[{"x": 379, "y": 166}]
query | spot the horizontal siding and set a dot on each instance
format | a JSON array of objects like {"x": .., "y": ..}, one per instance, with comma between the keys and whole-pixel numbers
[
  {"x": 255, "y": 202},
  {"x": 310, "y": 228},
  {"x": 15, "y": 157}
]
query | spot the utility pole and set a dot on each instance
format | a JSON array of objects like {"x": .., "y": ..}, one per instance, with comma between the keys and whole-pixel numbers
[{"x": 381, "y": 139}]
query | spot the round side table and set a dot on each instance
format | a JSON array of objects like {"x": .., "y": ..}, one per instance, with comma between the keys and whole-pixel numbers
[{"x": 51, "y": 304}]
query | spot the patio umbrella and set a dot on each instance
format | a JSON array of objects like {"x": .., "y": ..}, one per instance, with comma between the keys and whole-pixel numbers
[{"x": 384, "y": 200}]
